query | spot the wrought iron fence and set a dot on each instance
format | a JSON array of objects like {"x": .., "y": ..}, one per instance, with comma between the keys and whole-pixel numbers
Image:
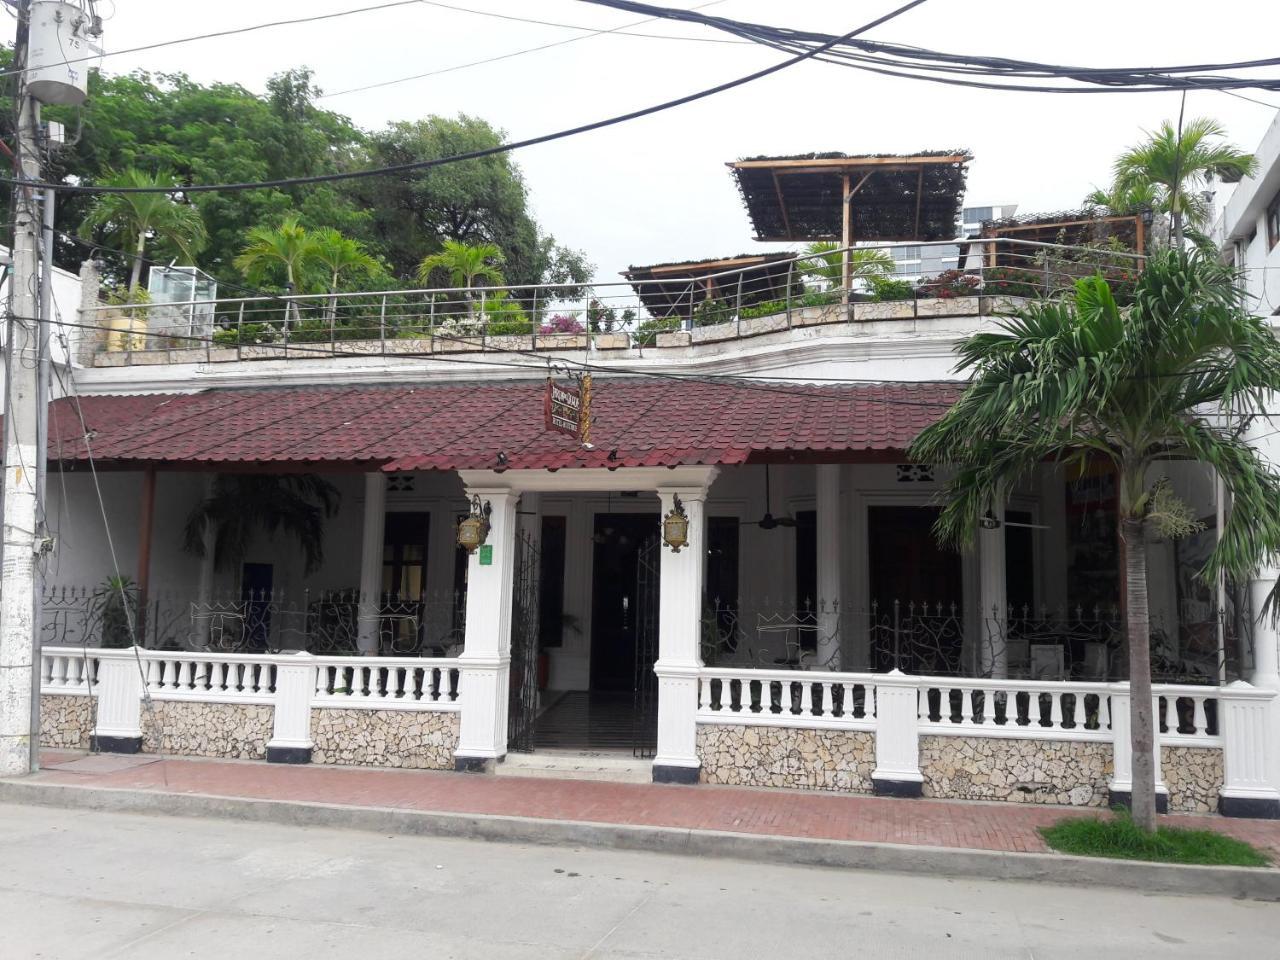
[
  {"x": 325, "y": 622},
  {"x": 938, "y": 639}
]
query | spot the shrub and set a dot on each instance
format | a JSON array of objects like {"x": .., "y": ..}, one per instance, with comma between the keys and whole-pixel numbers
[
  {"x": 1012, "y": 282},
  {"x": 710, "y": 312},
  {"x": 563, "y": 323},
  {"x": 766, "y": 308},
  {"x": 512, "y": 327},
  {"x": 886, "y": 289},
  {"x": 247, "y": 333},
  {"x": 950, "y": 284},
  {"x": 647, "y": 334}
]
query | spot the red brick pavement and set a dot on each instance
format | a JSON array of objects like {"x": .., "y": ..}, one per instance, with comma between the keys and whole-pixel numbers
[{"x": 983, "y": 826}]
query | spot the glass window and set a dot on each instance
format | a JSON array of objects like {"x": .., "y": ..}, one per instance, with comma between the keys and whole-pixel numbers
[
  {"x": 1273, "y": 222},
  {"x": 404, "y": 555}
]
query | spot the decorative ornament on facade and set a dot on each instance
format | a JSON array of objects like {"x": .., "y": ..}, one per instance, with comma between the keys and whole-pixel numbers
[
  {"x": 473, "y": 529},
  {"x": 675, "y": 526},
  {"x": 915, "y": 473}
]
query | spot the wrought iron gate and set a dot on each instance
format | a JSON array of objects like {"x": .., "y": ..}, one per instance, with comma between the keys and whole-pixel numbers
[
  {"x": 644, "y": 716},
  {"x": 522, "y": 711}
]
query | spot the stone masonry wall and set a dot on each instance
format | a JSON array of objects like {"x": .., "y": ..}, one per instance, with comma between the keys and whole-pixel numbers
[
  {"x": 414, "y": 739},
  {"x": 66, "y": 722},
  {"x": 1023, "y": 771},
  {"x": 226, "y": 730},
  {"x": 1193, "y": 776},
  {"x": 787, "y": 757}
]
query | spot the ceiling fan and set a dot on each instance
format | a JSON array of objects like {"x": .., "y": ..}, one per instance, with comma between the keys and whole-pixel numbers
[{"x": 769, "y": 521}]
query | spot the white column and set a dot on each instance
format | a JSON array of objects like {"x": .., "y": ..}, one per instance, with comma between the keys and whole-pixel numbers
[
  {"x": 371, "y": 547},
  {"x": 897, "y": 772},
  {"x": 291, "y": 724},
  {"x": 1266, "y": 673},
  {"x": 202, "y": 621},
  {"x": 1120, "y": 786},
  {"x": 681, "y": 578},
  {"x": 119, "y": 708},
  {"x": 993, "y": 651},
  {"x": 830, "y": 597},
  {"x": 486, "y": 655}
]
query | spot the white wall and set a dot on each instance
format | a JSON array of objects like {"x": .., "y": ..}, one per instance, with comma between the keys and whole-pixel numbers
[{"x": 1244, "y": 228}]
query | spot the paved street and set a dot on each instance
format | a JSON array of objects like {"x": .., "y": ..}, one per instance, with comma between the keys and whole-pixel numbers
[{"x": 90, "y": 885}]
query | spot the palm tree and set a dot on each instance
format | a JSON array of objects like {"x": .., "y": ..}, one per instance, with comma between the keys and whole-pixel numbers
[
  {"x": 1121, "y": 200},
  {"x": 826, "y": 266},
  {"x": 339, "y": 255},
  {"x": 270, "y": 248},
  {"x": 135, "y": 218},
  {"x": 1177, "y": 165},
  {"x": 240, "y": 507},
  {"x": 464, "y": 263},
  {"x": 1076, "y": 378}
]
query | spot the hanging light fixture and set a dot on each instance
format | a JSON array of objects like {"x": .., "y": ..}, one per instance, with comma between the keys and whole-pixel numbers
[
  {"x": 675, "y": 526},
  {"x": 473, "y": 529}
]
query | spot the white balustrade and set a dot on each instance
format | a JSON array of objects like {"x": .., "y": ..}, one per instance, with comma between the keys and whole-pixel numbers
[
  {"x": 787, "y": 698},
  {"x": 212, "y": 678},
  {"x": 384, "y": 683},
  {"x": 68, "y": 671},
  {"x": 1188, "y": 716},
  {"x": 1046, "y": 710}
]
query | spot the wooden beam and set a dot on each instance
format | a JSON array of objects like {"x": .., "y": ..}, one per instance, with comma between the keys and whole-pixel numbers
[
  {"x": 837, "y": 164},
  {"x": 848, "y": 194},
  {"x": 782, "y": 204},
  {"x": 704, "y": 265},
  {"x": 846, "y": 233}
]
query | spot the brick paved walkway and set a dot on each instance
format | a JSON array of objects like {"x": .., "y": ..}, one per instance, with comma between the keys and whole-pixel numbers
[{"x": 984, "y": 826}]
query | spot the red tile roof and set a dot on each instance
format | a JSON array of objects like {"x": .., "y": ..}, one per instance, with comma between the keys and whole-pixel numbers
[{"x": 636, "y": 422}]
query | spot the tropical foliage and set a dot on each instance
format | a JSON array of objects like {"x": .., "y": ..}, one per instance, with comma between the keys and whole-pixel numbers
[
  {"x": 824, "y": 265},
  {"x": 131, "y": 219},
  {"x": 463, "y": 264},
  {"x": 242, "y": 507},
  {"x": 1077, "y": 379},
  {"x": 1172, "y": 167}
]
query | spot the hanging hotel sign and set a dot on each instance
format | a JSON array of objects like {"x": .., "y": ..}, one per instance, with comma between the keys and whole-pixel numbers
[{"x": 567, "y": 408}]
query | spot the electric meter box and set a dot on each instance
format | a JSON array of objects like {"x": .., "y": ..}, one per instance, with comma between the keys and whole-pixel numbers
[{"x": 60, "y": 51}]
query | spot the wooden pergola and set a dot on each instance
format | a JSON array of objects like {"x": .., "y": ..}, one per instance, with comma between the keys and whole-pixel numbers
[
  {"x": 674, "y": 288},
  {"x": 900, "y": 197}
]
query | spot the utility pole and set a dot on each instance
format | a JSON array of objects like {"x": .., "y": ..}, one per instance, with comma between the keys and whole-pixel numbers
[{"x": 21, "y": 455}]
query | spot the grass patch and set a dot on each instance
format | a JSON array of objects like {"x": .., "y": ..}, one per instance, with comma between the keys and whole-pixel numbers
[{"x": 1120, "y": 839}]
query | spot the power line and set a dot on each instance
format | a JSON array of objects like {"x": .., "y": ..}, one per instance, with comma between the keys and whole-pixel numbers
[
  {"x": 618, "y": 31},
  {"x": 230, "y": 33},
  {"x": 899, "y": 60},
  {"x": 488, "y": 151}
]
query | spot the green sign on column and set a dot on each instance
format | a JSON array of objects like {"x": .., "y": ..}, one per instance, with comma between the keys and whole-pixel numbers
[{"x": 486, "y": 554}]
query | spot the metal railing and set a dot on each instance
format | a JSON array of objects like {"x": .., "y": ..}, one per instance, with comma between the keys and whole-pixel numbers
[{"x": 745, "y": 301}]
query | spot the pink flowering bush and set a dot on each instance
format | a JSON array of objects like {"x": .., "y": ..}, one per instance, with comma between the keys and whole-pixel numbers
[{"x": 561, "y": 323}]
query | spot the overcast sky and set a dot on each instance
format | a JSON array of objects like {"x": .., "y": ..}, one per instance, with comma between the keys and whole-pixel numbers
[{"x": 657, "y": 189}]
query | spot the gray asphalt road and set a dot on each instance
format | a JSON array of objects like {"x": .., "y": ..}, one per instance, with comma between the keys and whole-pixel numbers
[{"x": 88, "y": 885}]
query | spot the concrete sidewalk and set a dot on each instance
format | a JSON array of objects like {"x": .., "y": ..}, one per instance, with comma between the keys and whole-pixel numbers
[{"x": 946, "y": 837}]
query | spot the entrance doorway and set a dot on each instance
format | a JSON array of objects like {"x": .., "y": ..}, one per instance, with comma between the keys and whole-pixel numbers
[
  {"x": 908, "y": 567},
  {"x": 616, "y": 617}
]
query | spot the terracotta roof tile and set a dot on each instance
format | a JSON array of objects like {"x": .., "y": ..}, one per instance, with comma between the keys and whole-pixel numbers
[{"x": 648, "y": 421}]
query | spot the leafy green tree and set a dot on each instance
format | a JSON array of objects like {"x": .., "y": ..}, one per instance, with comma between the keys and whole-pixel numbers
[
  {"x": 472, "y": 202},
  {"x": 288, "y": 248},
  {"x": 341, "y": 256},
  {"x": 131, "y": 219},
  {"x": 1076, "y": 378},
  {"x": 242, "y": 507},
  {"x": 463, "y": 264},
  {"x": 824, "y": 265},
  {"x": 1176, "y": 168}
]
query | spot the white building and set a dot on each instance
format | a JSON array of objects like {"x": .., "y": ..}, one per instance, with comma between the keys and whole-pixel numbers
[
  {"x": 808, "y": 632},
  {"x": 1249, "y": 227}
]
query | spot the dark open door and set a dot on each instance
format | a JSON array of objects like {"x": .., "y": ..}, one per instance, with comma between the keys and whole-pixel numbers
[{"x": 619, "y": 538}]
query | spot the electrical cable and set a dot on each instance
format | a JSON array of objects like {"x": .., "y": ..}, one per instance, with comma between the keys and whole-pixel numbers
[
  {"x": 488, "y": 151},
  {"x": 234, "y": 31},
  {"x": 516, "y": 53}
]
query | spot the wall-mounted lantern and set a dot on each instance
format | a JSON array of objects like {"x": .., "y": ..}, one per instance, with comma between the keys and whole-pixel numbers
[
  {"x": 675, "y": 526},
  {"x": 473, "y": 530}
]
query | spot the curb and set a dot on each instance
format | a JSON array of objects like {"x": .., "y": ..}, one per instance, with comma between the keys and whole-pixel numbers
[{"x": 1239, "y": 882}]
